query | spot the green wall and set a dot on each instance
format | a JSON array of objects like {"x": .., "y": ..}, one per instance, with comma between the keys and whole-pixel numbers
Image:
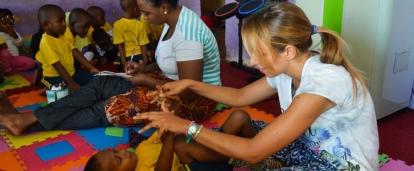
[{"x": 332, "y": 14}]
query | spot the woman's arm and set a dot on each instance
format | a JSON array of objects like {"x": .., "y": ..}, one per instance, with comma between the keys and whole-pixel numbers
[
  {"x": 283, "y": 130},
  {"x": 192, "y": 70},
  {"x": 250, "y": 94}
]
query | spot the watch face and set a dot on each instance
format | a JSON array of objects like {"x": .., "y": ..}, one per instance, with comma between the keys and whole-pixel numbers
[{"x": 192, "y": 129}]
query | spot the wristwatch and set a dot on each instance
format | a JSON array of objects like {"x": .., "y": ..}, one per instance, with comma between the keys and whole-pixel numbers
[{"x": 192, "y": 130}]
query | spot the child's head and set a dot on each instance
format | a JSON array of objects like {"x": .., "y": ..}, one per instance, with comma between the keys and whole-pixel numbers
[
  {"x": 131, "y": 8},
  {"x": 112, "y": 160},
  {"x": 98, "y": 16},
  {"x": 101, "y": 38},
  {"x": 156, "y": 11},
  {"x": 281, "y": 33},
  {"x": 52, "y": 19},
  {"x": 79, "y": 22},
  {"x": 6, "y": 20}
]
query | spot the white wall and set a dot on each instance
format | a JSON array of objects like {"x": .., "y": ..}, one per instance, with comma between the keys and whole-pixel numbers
[{"x": 376, "y": 30}]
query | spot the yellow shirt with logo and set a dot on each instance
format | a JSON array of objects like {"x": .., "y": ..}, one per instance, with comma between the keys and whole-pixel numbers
[
  {"x": 52, "y": 50},
  {"x": 132, "y": 33},
  {"x": 148, "y": 152}
]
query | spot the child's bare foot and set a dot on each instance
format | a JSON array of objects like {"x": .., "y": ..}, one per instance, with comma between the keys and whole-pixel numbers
[
  {"x": 5, "y": 105},
  {"x": 13, "y": 122}
]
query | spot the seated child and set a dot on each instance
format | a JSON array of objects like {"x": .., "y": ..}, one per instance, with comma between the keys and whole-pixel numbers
[
  {"x": 130, "y": 34},
  {"x": 79, "y": 22},
  {"x": 98, "y": 21},
  {"x": 57, "y": 53},
  {"x": 35, "y": 42},
  {"x": 9, "y": 53},
  {"x": 104, "y": 47}
]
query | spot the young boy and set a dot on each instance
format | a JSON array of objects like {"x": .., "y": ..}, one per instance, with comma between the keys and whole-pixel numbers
[
  {"x": 130, "y": 34},
  {"x": 9, "y": 54},
  {"x": 104, "y": 48},
  {"x": 98, "y": 21},
  {"x": 79, "y": 22},
  {"x": 57, "y": 54},
  {"x": 172, "y": 151}
]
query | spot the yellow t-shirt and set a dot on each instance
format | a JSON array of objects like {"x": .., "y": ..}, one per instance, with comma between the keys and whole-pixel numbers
[
  {"x": 52, "y": 50},
  {"x": 154, "y": 30},
  {"x": 2, "y": 40},
  {"x": 148, "y": 152},
  {"x": 132, "y": 33},
  {"x": 69, "y": 36},
  {"x": 78, "y": 42},
  {"x": 107, "y": 27}
]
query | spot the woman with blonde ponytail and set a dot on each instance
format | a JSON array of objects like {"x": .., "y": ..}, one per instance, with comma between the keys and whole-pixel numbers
[{"x": 328, "y": 120}]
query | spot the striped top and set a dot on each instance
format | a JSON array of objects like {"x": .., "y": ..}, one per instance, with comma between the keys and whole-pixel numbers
[{"x": 191, "y": 40}]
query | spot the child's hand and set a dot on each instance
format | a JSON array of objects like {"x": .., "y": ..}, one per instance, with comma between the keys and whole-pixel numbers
[
  {"x": 73, "y": 87},
  {"x": 175, "y": 87},
  {"x": 132, "y": 68}
]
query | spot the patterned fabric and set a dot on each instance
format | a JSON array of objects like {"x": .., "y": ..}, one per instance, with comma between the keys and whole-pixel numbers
[
  {"x": 121, "y": 109},
  {"x": 293, "y": 157}
]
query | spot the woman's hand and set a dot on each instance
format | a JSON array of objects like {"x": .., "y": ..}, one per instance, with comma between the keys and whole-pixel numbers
[
  {"x": 164, "y": 120},
  {"x": 132, "y": 68},
  {"x": 175, "y": 87},
  {"x": 138, "y": 79}
]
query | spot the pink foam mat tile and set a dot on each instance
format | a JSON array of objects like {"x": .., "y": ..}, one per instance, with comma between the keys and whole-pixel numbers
[
  {"x": 397, "y": 165},
  {"x": 29, "y": 155}
]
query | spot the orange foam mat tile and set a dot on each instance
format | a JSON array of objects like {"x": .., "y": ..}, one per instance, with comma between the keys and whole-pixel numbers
[
  {"x": 9, "y": 161},
  {"x": 28, "y": 98}
]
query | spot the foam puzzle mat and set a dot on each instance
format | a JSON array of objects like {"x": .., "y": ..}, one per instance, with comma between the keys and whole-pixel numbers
[
  {"x": 70, "y": 150},
  {"x": 14, "y": 81}
]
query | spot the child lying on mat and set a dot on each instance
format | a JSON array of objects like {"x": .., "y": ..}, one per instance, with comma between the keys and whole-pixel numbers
[{"x": 173, "y": 153}]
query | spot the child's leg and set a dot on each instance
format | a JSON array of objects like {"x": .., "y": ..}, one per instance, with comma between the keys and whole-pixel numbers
[
  {"x": 238, "y": 124},
  {"x": 22, "y": 63}
]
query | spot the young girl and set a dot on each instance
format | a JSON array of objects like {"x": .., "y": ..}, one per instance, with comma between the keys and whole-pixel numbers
[
  {"x": 10, "y": 56},
  {"x": 326, "y": 108}
]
